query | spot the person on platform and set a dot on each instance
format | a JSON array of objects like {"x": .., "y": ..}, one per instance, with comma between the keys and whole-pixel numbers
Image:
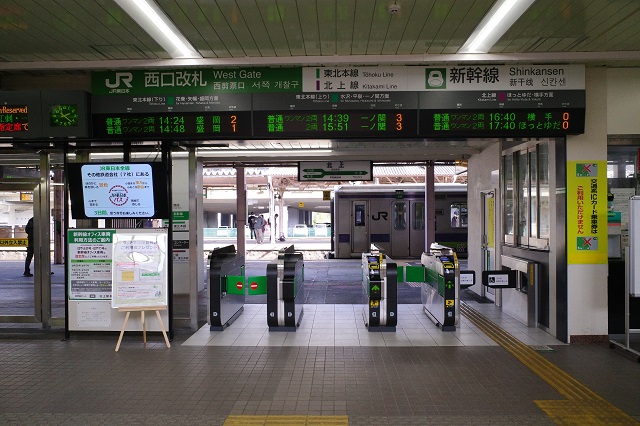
[
  {"x": 259, "y": 224},
  {"x": 251, "y": 220},
  {"x": 27, "y": 262}
]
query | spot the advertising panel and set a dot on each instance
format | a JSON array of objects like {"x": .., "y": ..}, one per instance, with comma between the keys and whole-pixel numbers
[{"x": 587, "y": 212}]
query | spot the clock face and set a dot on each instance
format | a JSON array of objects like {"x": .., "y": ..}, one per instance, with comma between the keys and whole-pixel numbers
[{"x": 64, "y": 115}]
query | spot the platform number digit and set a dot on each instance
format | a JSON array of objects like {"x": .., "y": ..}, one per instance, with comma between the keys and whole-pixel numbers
[
  {"x": 398, "y": 122},
  {"x": 565, "y": 120}
]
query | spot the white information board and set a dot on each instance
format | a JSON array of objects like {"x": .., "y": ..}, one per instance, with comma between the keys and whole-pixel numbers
[{"x": 140, "y": 268}]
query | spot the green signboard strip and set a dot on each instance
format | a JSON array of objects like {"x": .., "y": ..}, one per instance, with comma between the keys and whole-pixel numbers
[{"x": 201, "y": 82}]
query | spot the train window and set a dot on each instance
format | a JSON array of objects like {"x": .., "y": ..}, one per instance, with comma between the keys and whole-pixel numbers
[
  {"x": 359, "y": 215},
  {"x": 458, "y": 215},
  {"x": 464, "y": 218},
  {"x": 418, "y": 216},
  {"x": 400, "y": 216}
]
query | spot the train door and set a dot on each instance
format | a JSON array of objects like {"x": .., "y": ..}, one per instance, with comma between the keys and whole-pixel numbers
[
  {"x": 400, "y": 240},
  {"x": 359, "y": 227},
  {"x": 418, "y": 218},
  {"x": 488, "y": 238}
]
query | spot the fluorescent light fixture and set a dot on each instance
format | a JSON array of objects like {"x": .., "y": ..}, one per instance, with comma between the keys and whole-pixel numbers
[
  {"x": 500, "y": 18},
  {"x": 222, "y": 152},
  {"x": 154, "y": 21}
]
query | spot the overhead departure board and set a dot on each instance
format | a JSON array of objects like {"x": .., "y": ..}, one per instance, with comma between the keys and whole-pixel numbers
[
  {"x": 501, "y": 122},
  {"x": 185, "y": 125},
  {"x": 335, "y": 115},
  {"x": 337, "y": 124}
]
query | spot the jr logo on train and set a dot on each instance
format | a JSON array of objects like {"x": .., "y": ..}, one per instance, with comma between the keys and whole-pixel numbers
[{"x": 393, "y": 217}]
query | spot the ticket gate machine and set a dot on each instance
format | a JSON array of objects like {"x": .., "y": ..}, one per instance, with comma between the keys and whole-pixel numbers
[
  {"x": 285, "y": 290},
  {"x": 225, "y": 304},
  {"x": 440, "y": 292},
  {"x": 380, "y": 292}
]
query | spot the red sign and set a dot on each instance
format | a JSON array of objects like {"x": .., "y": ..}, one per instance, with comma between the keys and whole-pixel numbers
[
  {"x": 254, "y": 285},
  {"x": 239, "y": 285}
]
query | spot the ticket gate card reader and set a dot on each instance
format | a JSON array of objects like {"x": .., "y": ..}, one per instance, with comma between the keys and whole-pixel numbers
[
  {"x": 226, "y": 300},
  {"x": 380, "y": 292},
  {"x": 285, "y": 291},
  {"x": 440, "y": 291}
]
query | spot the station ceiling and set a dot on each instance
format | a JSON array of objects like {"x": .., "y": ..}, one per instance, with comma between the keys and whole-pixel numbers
[
  {"x": 71, "y": 38},
  {"x": 80, "y": 35}
]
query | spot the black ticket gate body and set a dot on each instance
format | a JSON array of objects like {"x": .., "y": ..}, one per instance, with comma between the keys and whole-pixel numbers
[
  {"x": 440, "y": 291},
  {"x": 285, "y": 290},
  {"x": 380, "y": 292},
  {"x": 225, "y": 306}
]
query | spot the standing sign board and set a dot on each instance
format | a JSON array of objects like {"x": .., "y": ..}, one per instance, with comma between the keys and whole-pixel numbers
[
  {"x": 140, "y": 268},
  {"x": 115, "y": 268}
]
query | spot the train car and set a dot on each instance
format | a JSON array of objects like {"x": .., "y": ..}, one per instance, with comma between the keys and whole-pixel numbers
[{"x": 393, "y": 218}]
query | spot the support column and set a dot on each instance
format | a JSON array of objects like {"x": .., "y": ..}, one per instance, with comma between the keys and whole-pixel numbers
[
  {"x": 583, "y": 299},
  {"x": 196, "y": 238},
  {"x": 430, "y": 206},
  {"x": 42, "y": 243},
  {"x": 58, "y": 218},
  {"x": 241, "y": 208}
]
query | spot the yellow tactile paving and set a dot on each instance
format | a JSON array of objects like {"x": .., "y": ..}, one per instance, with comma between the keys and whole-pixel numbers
[
  {"x": 237, "y": 420},
  {"x": 582, "y": 406}
]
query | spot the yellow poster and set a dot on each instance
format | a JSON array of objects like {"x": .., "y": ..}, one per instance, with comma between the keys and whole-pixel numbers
[
  {"x": 586, "y": 212},
  {"x": 491, "y": 208}
]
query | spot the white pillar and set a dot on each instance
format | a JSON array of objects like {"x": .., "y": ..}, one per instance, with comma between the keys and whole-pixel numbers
[{"x": 587, "y": 283}]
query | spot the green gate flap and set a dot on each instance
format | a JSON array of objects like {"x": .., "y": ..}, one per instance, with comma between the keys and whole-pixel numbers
[
  {"x": 235, "y": 284},
  {"x": 414, "y": 274},
  {"x": 400, "y": 272},
  {"x": 257, "y": 285}
]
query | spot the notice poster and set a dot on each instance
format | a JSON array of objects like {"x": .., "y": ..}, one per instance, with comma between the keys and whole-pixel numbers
[
  {"x": 140, "y": 268},
  {"x": 90, "y": 264},
  {"x": 587, "y": 212}
]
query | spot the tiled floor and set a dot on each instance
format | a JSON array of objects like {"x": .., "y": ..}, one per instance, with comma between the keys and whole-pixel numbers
[
  {"x": 343, "y": 325},
  {"x": 331, "y": 366}
]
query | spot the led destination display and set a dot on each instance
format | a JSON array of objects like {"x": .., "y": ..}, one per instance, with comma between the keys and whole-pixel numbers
[
  {"x": 341, "y": 123},
  {"x": 346, "y": 123},
  {"x": 501, "y": 122},
  {"x": 195, "y": 125}
]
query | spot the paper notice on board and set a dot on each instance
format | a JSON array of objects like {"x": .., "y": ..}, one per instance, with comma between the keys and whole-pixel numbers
[
  {"x": 93, "y": 314},
  {"x": 140, "y": 269}
]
